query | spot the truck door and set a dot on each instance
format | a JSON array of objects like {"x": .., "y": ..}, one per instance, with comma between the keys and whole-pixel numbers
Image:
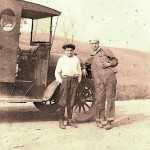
[{"x": 10, "y": 15}]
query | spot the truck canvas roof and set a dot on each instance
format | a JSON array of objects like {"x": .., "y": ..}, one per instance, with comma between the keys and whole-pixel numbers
[{"x": 36, "y": 11}]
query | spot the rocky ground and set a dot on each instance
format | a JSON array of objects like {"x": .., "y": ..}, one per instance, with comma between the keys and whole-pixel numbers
[{"x": 23, "y": 127}]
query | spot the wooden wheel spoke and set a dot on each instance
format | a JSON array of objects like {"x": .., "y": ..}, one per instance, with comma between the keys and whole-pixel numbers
[
  {"x": 89, "y": 101},
  {"x": 79, "y": 109},
  {"x": 87, "y": 105},
  {"x": 83, "y": 108},
  {"x": 87, "y": 96},
  {"x": 75, "y": 107}
]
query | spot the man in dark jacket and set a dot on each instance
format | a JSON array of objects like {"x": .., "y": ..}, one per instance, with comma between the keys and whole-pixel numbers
[{"x": 103, "y": 64}]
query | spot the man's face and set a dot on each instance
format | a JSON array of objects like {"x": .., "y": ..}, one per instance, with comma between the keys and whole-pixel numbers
[
  {"x": 94, "y": 45},
  {"x": 69, "y": 52}
]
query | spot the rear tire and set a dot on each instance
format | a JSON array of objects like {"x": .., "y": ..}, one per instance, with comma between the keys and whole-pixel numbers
[
  {"x": 84, "y": 109},
  {"x": 88, "y": 116},
  {"x": 85, "y": 103}
]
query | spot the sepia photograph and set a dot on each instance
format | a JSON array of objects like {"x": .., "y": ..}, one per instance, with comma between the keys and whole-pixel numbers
[{"x": 74, "y": 74}]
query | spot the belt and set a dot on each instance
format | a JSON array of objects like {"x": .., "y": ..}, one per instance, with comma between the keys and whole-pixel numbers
[{"x": 74, "y": 76}]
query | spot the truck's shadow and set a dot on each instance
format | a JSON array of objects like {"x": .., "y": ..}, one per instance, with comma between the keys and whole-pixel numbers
[
  {"x": 10, "y": 115},
  {"x": 31, "y": 114}
]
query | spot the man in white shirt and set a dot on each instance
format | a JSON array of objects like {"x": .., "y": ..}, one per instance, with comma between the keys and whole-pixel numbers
[{"x": 68, "y": 73}]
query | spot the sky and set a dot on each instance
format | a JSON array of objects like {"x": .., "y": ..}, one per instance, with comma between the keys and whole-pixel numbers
[{"x": 117, "y": 23}]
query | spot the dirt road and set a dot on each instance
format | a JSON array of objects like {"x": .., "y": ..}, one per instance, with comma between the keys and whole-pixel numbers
[{"x": 23, "y": 127}]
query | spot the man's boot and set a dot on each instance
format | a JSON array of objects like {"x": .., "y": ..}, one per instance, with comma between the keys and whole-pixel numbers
[
  {"x": 71, "y": 123},
  {"x": 98, "y": 123},
  {"x": 108, "y": 125},
  {"x": 61, "y": 124},
  {"x": 61, "y": 121}
]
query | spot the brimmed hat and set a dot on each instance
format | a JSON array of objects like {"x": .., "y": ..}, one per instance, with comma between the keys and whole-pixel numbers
[
  {"x": 69, "y": 46},
  {"x": 94, "y": 39}
]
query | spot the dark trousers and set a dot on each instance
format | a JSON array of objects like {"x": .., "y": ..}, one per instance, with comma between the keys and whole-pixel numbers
[
  {"x": 68, "y": 91},
  {"x": 69, "y": 112}
]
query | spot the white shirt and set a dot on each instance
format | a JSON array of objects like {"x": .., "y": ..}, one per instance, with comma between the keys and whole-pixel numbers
[{"x": 68, "y": 66}]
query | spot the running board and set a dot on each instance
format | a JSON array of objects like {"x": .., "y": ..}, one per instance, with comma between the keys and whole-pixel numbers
[{"x": 19, "y": 99}]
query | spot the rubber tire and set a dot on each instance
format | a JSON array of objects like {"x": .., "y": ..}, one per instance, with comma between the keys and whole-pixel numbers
[
  {"x": 88, "y": 116},
  {"x": 49, "y": 108},
  {"x": 52, "y": 109},
  {"x": 42, "y": 107}
]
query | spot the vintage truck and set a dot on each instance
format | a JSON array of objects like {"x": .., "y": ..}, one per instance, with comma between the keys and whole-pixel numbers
[{"x": 27, "y": 73}]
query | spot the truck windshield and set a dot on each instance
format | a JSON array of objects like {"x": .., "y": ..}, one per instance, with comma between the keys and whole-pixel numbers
[
  {"x": 41, "y": 30},
  {"x": 25, "y": 31}
]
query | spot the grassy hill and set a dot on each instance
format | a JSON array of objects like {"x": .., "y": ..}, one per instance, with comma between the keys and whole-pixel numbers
[{"x": 133, "y": 68}]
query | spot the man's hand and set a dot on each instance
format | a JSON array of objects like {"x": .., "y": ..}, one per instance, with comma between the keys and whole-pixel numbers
[
  {"x": 106, "y": 65},
  {"x": 59, "y": 80},
  {"x": 84, "y": 72},
  {"x": 79, "y": 79}
]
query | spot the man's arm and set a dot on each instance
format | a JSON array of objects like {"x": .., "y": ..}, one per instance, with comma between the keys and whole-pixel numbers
[
  {"x": 113, "y": 61},
  {"x": 58, "y": 71},
  {"x": 88, "y": 61},
  {"x": 80, "y": 72}
]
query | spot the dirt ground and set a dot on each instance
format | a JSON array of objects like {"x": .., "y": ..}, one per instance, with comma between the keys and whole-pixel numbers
[{"x": 23, "y": 127}]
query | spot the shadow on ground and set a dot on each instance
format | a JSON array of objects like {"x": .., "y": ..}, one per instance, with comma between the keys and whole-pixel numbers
[
  {"x": 30, "y": 114},
  {"x": 8, "y": 115},
  {"x": 129, "y": 119}
]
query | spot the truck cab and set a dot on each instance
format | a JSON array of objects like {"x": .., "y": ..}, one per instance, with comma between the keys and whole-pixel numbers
[{"x": 24, "y": 66}]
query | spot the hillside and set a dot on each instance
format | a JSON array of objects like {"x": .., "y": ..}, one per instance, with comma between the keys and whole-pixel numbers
[{"x": 133, "y": 68}]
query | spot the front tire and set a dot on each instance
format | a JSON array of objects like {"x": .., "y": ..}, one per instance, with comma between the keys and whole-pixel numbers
[
  {"x": 51, "y": 105},
  {"x": 84, "y": 109}
]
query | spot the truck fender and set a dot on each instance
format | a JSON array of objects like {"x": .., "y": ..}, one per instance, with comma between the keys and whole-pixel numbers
[{"x": 50, "y": 90}]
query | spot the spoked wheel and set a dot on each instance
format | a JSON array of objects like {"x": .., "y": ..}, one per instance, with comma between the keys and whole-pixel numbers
[
  {"x": 84, "y": 109},
  {"x": 85, "y": 101}
]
